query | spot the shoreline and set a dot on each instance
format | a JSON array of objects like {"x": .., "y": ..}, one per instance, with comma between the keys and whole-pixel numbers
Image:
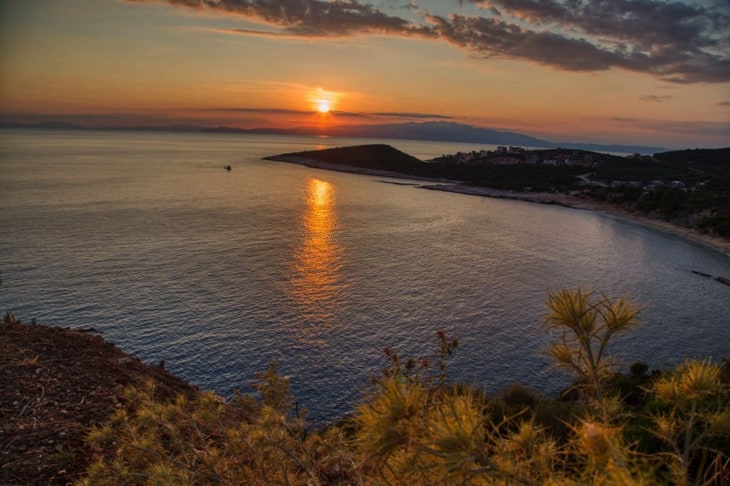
[{"x": 713, "y": 242}]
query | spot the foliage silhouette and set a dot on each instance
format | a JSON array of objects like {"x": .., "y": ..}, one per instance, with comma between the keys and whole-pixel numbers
[{"x": 415, "y": 427}]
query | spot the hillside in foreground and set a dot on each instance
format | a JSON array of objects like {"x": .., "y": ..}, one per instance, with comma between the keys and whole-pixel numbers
[
  {"x": 78, "y": 410},
  {"x": 55, "y": 384}
]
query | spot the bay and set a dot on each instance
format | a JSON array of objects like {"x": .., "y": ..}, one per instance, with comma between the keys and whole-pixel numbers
[{"x": 145, "y": 237}]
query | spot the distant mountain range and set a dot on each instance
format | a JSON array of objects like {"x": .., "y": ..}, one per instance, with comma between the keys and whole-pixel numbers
[
  {"x": 456, "y": 132},
  {"x": 434, "y": 131}
]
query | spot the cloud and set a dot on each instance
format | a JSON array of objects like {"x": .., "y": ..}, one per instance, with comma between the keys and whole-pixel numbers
[
  {"x": 279, "y": 111},
  {"x": 97, "y": 120},
  {"x": 413, "y": 115},
  {"x": 642, "y": 23},
  {"x": 489, "y": 37},
  {"x": 676, "y": 41},
  {"x": 284, "y": 111},
  {"x": 316, "y": 18},
  {"x": 255, "y": 33},
  {"x": 723, "y": 103},
  {"x": 273, "y": 111},
  {"x": 655, "y": 98},
  {"x": 696, "y": 129}
]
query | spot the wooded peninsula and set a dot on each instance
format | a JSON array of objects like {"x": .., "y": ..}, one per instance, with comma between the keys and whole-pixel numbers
[{"x": 685, "y": 191}]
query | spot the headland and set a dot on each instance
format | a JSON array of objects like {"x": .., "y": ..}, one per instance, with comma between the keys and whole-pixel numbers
[{"x": 691, "y": 207}]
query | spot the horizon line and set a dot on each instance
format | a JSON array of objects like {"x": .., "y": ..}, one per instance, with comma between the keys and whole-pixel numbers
[{"x": 59, "y": 124}]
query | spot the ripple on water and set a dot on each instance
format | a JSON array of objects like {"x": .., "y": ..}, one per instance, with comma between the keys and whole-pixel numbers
[{"x": 220, "y": 273}]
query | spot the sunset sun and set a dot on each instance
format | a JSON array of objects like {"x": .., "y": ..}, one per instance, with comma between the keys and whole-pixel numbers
[
  {"x": 323, "y": 106},
  {"x": 322, "y": 102}
]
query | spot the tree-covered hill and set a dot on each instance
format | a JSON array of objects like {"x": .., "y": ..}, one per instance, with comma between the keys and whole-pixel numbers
[
  {"x": 689, "y": 187},
  {"x": 373, "y": 157}
]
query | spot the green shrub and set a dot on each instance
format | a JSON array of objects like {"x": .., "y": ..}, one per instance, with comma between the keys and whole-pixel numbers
[{"x": 413, "y": 427}]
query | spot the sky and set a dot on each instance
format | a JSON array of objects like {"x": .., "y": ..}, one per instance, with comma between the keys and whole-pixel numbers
[{"x": 649, "y": 72}]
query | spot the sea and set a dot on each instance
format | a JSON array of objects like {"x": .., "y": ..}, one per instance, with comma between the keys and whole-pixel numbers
[{"x": 145, "y": 237}]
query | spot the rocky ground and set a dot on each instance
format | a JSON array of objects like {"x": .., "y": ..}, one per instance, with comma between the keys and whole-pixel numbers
[{"x": 55, "y": 384}]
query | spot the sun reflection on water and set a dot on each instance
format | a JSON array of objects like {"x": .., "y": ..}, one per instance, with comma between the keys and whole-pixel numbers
[{"x": 315, "y": 282}]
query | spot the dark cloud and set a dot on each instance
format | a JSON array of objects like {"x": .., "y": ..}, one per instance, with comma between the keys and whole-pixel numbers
[
  {"x": 643, "y": 22},
  {"x": 675, "y": 41},
  {"x": 413, "y": 115},
  {"x": 253, "y": 32},
  {"x": 678, "y": 42},
  {"x": 723, "y": 103},
  {"x": 117, "y": 120},
  {"x": 655, "y": 98},
  {"x": 348, "y": 114},
  {"x": 284, "y": 111},
  {"x": 318, "y": 18},
  {"x": 489, "y": 37},
  {"x": 276, "y": 111}
]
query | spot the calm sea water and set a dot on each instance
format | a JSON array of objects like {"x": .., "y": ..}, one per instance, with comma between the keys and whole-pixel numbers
[{"x": 146, "y": 238}]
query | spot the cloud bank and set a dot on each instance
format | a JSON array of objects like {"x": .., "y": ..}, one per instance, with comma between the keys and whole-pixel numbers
[
  {"x": 694, "y": 129},
  {"x": 655, "y": 98},
  {"x": 676, "y": 41}
]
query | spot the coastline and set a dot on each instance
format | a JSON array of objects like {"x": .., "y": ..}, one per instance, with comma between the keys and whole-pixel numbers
[
  {"x": 714, "y": 242},
  {"x": 318, "y": 164}
]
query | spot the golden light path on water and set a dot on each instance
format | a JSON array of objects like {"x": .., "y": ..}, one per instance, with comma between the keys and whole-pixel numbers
[
  {"x": 315, "y": 283},
  {"x": 145, "y": 237}
]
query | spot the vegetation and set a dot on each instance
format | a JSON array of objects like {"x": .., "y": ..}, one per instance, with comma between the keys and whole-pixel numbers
[
  {"x": 414, "y": 427},
  {"x": 586, "y": 326},
  {"x": 207, "y": 441},
  {"x": 689, "y": 187},
  {"x": 523, "y": 177},
  {"x": 374, "y": 157}
]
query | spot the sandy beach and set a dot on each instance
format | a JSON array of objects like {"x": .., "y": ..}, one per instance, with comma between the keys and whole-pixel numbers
[{"x": 715, "y": 242}]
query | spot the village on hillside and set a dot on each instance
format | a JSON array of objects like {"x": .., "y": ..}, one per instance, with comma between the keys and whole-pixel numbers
[
  {"x": 688, "y": 188},
  {"x": 560, "y": 157}
]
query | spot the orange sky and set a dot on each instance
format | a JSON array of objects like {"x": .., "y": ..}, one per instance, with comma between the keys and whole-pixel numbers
[{"x": 582, "y": 74}]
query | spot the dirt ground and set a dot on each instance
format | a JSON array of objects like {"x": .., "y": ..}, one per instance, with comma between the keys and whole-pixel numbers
[{"x": 55, "y": 384}]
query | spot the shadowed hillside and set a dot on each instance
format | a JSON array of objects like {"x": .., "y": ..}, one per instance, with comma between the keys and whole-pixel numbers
[
  {"x": 374, "y": 157},
  {"x": 99, "y": 417}
]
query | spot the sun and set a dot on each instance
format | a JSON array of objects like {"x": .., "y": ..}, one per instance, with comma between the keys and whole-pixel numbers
[
  {"x": 323, "y": 102},
  {"x": 323, "y": 106}
]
